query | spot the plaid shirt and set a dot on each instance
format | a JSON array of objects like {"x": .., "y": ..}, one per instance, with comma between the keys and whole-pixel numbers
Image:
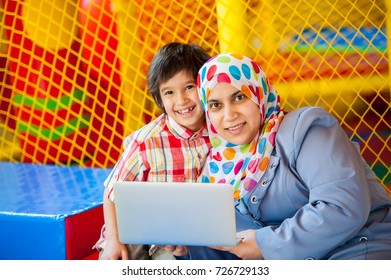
[{"x": 161, "y": 151}]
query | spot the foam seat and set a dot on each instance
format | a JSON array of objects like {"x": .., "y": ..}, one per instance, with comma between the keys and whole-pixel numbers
[{"x": 49, "y": 212}]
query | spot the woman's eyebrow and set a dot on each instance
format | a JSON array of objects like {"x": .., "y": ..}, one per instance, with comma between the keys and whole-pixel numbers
[
  {"x": 235, "y": 93},
  {"x": 212, "y": 101},
  {"x": 232, "y": 95}
]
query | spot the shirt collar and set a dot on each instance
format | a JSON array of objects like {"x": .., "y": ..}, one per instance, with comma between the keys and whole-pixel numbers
[{"x": 184, "y": 133}]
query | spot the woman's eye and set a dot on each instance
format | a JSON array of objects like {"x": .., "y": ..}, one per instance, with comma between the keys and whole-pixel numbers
[
  {"x": 240, "y": 97},
  {"x": 214, "y": 105}
]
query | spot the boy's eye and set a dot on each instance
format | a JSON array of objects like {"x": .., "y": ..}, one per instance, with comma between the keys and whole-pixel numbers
[
  {"x": 168, "y": 92},
  {"x": 189, "y": 87}
]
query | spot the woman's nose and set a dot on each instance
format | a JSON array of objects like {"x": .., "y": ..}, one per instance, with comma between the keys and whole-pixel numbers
[{"x": 230, "y": 113}]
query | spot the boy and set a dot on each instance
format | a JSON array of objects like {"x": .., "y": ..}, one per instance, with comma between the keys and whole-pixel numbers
[{"x": 172, "y": 148}]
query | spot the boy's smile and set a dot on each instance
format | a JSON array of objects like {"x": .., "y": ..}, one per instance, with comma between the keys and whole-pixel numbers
[{"x": 186, "y": 111}]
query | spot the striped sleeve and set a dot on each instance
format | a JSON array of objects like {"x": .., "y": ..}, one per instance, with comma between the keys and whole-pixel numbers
[{"x": 128, "y": 168}]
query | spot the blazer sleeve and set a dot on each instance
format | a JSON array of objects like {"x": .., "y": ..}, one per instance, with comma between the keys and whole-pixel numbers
[{"x": 330, "y": 167}]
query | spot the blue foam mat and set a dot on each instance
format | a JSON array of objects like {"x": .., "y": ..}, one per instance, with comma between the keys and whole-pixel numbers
[{"x": 34, "y": 202}]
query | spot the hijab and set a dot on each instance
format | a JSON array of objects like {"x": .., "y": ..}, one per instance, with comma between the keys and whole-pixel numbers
[{"x": 242, "y": 166}]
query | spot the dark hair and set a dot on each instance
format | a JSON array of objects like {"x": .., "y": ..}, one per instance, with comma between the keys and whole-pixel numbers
[{"x": 171, "y": 59}]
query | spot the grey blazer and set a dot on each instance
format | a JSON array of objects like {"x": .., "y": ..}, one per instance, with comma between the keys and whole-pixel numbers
[{"x": 318, "y": 198}]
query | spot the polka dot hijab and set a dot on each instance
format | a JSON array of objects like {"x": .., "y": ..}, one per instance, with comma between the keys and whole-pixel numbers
[{"x": 242, "y": 166}]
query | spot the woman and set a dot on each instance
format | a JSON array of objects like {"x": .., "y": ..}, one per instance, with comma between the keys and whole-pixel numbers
[{"x": 301, "y": 188}]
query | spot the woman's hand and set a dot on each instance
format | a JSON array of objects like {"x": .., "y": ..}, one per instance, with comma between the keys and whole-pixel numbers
[{"x": 247, "y": 249}]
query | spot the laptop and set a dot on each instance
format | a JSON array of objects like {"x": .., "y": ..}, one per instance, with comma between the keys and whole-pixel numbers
[{"x": 193, "y": 214}]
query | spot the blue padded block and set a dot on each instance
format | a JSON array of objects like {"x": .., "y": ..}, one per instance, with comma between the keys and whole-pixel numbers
[{"x": 36, "y": 199}]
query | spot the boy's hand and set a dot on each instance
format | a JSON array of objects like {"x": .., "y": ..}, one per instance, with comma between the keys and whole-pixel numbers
[{"x": 114, "y": 251}]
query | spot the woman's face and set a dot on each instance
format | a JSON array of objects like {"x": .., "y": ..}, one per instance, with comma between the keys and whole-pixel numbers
[{"x": 235, "y": 117}]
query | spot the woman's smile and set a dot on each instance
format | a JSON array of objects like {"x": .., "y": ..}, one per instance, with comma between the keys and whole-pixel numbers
[{"x": 236, "y": 129}]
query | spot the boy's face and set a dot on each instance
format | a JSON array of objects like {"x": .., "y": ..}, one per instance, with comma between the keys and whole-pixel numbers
[{"x": 181, "y": 102}]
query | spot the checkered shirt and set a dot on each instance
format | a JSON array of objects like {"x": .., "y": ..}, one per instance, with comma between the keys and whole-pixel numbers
[{"x": 161, "y": 151}]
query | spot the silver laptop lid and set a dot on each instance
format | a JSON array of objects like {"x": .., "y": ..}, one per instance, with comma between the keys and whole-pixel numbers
[{"x": 175, "y": 213}]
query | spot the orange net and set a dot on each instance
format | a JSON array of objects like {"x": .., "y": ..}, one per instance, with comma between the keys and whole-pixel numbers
[{"x": 72, "y": 73}]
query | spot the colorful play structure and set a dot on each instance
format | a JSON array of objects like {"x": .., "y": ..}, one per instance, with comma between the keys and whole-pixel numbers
[{"x": 72, "y": 85}]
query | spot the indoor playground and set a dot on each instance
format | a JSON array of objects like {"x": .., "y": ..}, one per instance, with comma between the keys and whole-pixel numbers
[{"x": 73, "y": 85}]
